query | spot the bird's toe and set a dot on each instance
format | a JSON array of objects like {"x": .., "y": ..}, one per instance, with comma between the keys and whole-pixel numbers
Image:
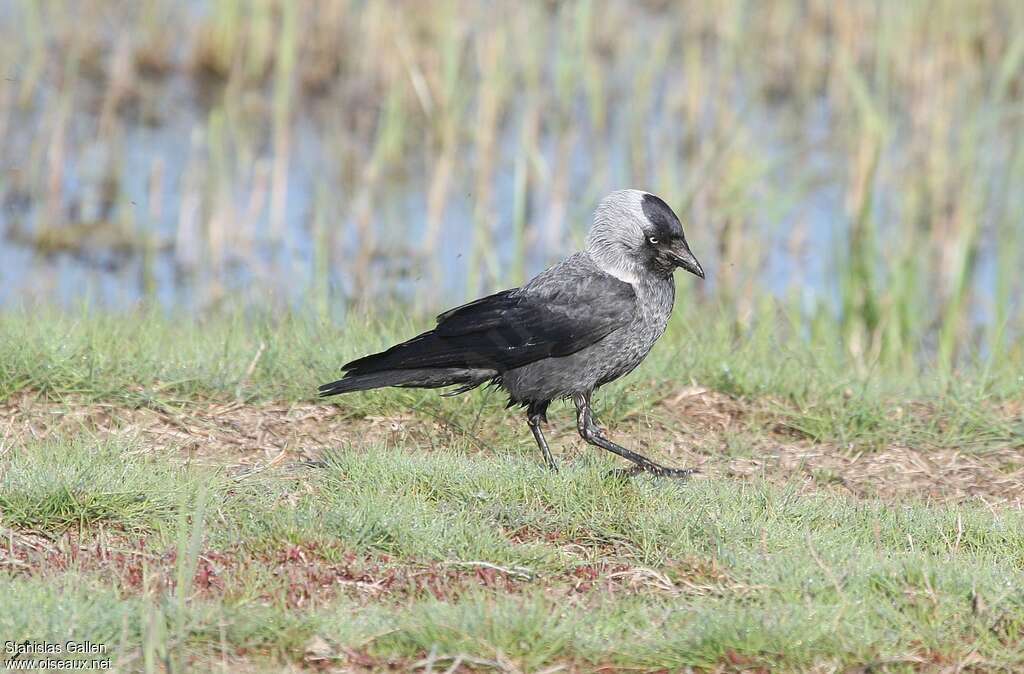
[
  {"x": 624, "y": 473},
  {"x": 653, "y": 469},
  {"x": 676, "y": 472}
]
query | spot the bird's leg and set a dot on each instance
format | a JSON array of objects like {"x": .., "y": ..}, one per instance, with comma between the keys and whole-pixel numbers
[
  {"x": 538, "y": 435},
  {"x": 595, "y": 424},
  {"x": 593, "y": 435},
  {"x": 534, "y": 418}
]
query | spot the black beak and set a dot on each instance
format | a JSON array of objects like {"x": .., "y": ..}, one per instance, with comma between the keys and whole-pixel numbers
[{"x": 682, "y": 257}]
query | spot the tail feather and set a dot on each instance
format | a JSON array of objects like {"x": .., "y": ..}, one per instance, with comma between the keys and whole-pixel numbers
[
  {"x": 466, "y": 349},
  {"x": 414, "y": 378}
]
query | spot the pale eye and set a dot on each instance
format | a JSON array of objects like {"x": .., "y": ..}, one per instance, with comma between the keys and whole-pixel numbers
[{"x": 653, "y": 240}]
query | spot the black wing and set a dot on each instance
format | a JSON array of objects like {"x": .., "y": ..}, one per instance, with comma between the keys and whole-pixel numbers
[{"x": 559, "y": 313}]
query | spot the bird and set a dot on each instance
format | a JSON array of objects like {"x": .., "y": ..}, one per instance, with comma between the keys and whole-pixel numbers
[{"x": 578, "y": 325}]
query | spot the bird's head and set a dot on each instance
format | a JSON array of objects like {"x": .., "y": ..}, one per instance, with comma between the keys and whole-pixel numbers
[{"x": 636, "y": 234}]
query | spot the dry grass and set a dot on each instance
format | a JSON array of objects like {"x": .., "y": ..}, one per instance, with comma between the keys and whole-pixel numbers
[
  {"x": 179, "y": 488},
  {"x": 391, "y": 551},
  {"x": 694, "y": 427}
]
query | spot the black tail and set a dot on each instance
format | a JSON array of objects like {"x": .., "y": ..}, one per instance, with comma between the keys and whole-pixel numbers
[
  {"x": 412, "y": 378},
  {"x": 471, "y": 345}
]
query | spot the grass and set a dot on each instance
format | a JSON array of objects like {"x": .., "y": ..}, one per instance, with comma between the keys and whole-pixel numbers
[
  {"x": 86, "y": 481},
  {"x": 179, "y": 547},
  {"x": 848, "y": 380},
  {"x": 808, "y": 383},
  {"x": 642, "y": 574}
]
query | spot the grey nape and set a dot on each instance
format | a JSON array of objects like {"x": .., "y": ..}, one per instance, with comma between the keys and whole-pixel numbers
[{"x": 576, "y": 326}]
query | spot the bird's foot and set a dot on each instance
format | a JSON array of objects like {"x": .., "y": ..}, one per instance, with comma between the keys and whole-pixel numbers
[{"x": 652, "y": 469}]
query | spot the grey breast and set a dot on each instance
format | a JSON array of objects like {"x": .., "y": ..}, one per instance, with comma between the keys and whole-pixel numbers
[{"x": 655, "y": 298}]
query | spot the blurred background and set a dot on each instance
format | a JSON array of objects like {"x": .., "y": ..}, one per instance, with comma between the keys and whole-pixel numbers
[{"x": 848, "y": 164}]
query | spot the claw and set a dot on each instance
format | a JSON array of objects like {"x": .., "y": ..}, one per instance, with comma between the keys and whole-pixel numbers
[{"x": 653, "y": 469}]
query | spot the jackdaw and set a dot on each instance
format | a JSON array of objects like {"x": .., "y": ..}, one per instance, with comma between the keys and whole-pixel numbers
[{"x": 578, "y": 325}]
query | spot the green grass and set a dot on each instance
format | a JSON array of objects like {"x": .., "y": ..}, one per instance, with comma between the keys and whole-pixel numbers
[
  {"x": 387, "y": 554},
  {"x": 807, "y": 382},
  {"x": 874, "y": 145},
  {"x": 85, "y": 481},
  {"x": 759, "y": 575}
]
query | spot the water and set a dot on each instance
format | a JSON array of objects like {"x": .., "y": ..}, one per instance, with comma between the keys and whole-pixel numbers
[
  {"x": 186, "y": 171},
  {"x": 398, "y": 219}
]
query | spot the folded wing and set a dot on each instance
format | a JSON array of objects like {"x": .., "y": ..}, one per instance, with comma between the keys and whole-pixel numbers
[{"x": 557, "y": 316}]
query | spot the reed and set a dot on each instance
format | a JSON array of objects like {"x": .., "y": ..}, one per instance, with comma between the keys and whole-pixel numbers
[{"x": 864, "y": 158}]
